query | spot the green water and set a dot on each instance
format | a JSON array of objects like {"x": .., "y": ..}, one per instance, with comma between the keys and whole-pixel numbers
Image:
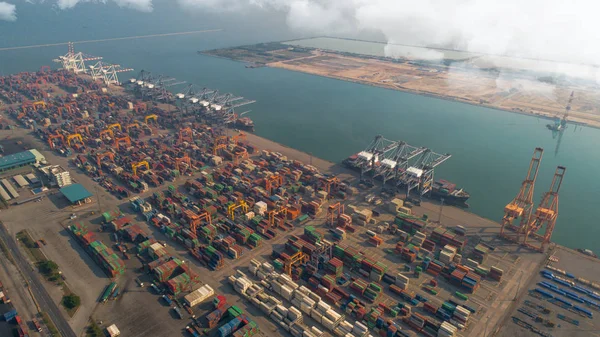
[{"x": 333, "y": 119}]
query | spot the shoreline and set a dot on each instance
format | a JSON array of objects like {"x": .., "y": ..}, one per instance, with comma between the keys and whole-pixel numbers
[
  {"x": 433, "y": 95},
  {"x": 549, "y": 117}
]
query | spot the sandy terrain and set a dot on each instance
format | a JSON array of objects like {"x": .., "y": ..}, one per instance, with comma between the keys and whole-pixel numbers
[{"x": 514, "y": 91}]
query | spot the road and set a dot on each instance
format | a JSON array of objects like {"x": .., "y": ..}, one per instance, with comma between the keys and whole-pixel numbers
[{"x": 39, "y": 292}]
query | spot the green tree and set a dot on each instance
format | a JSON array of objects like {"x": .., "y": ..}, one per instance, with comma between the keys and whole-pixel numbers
[
  {"x": 48, "y": 267},
  {"x": 71, "y": 301}
]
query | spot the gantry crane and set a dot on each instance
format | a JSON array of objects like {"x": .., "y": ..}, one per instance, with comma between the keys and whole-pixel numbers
[
  {"x": 272, "y": 182},
  {"x": 237, "y": 138},
  {"x": 297, "y": 259},
  {"x": 135, "y": 166},
  {"x": 132, "y": 125},
  {"x": 151, "y": 117},
  {"x": 561, "y": 123},
  {"x": 74, "y": 136},
  {"x": 329, "y": 184},
  {"x": 185, "y": 159},
  {"x": 186, "y": 135},
  {"x": 332, "y": 210},
  {"x": 239, "y": 204},
  {"x": 85, "y": 128},
  {"x": 204, "y": 216},
  {"x": 101, "y": 156},
  {"x": 239, "y": 154},
  {"x": 125, "y": 139},
  {"x": 115, "y": 125},
  {"x": 521, "y": 205},
  {"x": 279, "y": 210},
  {"x": 220, "y": 143},
  {"x": 51, "y": 139},
  {"x": 545, "y": 215},
  {"x": 107, "y": 132}
]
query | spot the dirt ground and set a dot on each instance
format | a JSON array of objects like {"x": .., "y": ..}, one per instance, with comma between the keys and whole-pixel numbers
[{"x": 514, "y": 91}]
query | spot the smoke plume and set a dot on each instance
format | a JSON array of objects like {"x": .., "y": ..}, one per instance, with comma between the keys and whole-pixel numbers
[{"x": 8, "y": 12}]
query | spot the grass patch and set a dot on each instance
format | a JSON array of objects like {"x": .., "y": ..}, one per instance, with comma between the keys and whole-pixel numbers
[
  {"x": 70, "y": 301},
  {"x": 93, "y": 330},
  {"x": 32, "y": 248},
  {"x": 51, "y": 327},
  {"x": 5, "y": 251},
  {"x": 50, "y": 270}
]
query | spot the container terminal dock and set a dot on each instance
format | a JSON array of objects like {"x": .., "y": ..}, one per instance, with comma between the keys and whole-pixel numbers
[{"x": 167, "y": 221}]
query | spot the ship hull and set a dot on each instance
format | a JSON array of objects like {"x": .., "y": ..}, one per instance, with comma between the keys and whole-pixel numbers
[{"x": 449, "y": 199}]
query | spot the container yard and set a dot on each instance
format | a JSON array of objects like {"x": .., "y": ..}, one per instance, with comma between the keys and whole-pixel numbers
[{"x": 195, "y": 228}]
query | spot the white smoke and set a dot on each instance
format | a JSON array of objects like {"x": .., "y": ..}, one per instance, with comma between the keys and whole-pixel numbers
[
  {"x": 8, "y": 12},
  {"x": 558, "y": 30},
  {"x": 140, "y": 5},
  {"x": 555, "y": 30}
]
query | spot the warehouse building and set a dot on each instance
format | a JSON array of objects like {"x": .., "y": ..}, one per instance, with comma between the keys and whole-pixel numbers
[
  {"x": 76, "y": 194},
  {"x": 9, "y": 188},
  {"x": 20, "y": 180},
  {"x": 3, "y": 194},
  {"x": 29, "y": 157}
]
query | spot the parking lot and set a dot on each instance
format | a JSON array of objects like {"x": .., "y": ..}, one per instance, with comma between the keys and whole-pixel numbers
[{"x": 534, "y": 305}]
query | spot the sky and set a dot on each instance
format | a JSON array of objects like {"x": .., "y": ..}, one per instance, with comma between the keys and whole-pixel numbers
[{"x": 555, "y": 30}]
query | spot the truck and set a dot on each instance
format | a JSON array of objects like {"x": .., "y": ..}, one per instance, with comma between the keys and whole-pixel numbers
[
  {"x": 178, "y": 312},
  {"x": 191, "y": 331},
  {"x": 167, "y": 299},
  {"x": 155, "y": 288},
  {"x": 108, "y": 291},
  {"x": 37, "y": 325}
]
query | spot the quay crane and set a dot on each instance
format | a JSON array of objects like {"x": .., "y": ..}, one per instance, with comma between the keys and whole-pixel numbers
[
  {"x": 371, "y": 157},
  {"x": 521, "y": 206},
  {"x": 545, "y": 215},
  {"x": 561, "y": 123},
  {"x": 420, "y": 175},
  {"x": 393, "y": 166}
]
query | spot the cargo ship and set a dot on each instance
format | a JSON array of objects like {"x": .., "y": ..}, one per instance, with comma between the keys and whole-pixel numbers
[
  {"x": 440, "y": 189},
  {"x": 446, "y": 190},
  {"x": 244, "y": 123}
]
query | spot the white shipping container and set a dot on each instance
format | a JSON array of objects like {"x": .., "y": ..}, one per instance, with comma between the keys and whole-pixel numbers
[
  {"x": 462, "y": 310},
  {"x": 400, "y": 277},
  {"x": 276, "y": 316},
  {"x": 305, "y": 308},
  {"x": 295, "y": 332},
  {"x": 316, "y": 331},
  {"x": 314, "y": 297},
  {"x": 323, "y": 307},
  {"x": 286, "y": 293},
  {"x": 309, "y": 302},
  {"x": 339, "y": 332},
  {"x": 317, "y": 316},
  {"x": 346, "y": 326},
  {"x": 294, "y": 314},
  {"x": 328, "y": 324},
  {"x": 307, "y": 333},
  {"x": 359, "y": 328}
]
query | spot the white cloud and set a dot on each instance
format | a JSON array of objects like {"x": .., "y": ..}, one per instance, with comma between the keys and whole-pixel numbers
[
  {"x": 8, "y": 12},
  {"x": 546, "y": 29},
  {"x": 140, "y": 5}
]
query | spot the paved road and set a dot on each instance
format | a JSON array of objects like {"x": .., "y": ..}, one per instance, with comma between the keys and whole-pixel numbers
[{"x": 41, "y": 295}]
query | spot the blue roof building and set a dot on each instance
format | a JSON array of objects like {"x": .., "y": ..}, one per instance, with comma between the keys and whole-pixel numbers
[
  {"x": 24, "y": 158},
  {"x": 76, "y": 194}
]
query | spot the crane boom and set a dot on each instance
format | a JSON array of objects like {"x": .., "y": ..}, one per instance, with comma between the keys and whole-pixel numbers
[{"x": 521, "y": 205}]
